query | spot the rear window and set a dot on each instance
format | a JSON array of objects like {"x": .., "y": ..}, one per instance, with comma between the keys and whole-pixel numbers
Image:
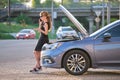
[{"x": 25, "y": 31}]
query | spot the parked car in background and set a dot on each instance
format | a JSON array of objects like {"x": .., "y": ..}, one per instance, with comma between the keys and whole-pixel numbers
[
  {"x": 26, "y": 34},
  {"x": 101, "y": 49},
  {"x": 65, "y": 31}
]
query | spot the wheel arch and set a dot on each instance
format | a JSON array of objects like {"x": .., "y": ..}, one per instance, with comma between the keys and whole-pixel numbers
[{"x": 76, "y": 49}]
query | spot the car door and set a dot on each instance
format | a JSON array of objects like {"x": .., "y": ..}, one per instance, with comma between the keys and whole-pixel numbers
[{"x": 107, "y": 52}]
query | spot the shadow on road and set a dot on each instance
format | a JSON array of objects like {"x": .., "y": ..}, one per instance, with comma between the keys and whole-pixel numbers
[{"x": 88, "y": 73}]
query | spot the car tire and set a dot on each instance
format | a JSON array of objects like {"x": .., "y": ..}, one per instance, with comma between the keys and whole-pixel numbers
[{"x": 76, "y": 62}]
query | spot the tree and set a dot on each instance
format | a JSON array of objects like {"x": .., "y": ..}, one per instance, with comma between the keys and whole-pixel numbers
[
  {"x": 47, "y": 3},
  {"x": 23, "y": 19},
  {"x": 3, "y": 3},
  {"x": 33, "y": 2}
]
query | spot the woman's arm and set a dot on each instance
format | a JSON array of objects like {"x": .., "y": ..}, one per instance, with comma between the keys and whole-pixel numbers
[
  {"x": 39, "y": 27},
  {"x": 40, "y": 23}
]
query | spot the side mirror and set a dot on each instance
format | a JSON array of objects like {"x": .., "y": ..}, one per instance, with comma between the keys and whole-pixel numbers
[{"x": 107, "y": 36}]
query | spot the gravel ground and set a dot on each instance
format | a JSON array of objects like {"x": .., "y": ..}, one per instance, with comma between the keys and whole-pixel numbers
[{"x": 19, "y": 70}]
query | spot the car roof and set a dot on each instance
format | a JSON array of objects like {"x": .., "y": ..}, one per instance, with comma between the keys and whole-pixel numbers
[
  {"x": 65, "y": 27},
  {"x": 26, "y": 29}
]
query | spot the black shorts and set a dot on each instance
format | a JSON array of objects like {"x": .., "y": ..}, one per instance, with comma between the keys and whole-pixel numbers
[{"x": 40, "y": 43}]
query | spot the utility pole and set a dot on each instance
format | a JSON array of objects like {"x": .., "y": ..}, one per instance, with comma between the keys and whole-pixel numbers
[
  {"x": 52, "y": 13},
  {"x": 90, "y": 18},
  {"x": 119, "y": 9},
  {"x": 9, "y": 12},
  {"x": 103, "y": 14},
  {"x": 108, "y": 12}
]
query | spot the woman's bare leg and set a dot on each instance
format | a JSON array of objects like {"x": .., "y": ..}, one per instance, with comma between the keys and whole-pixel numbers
[
  {"x": 37, "y": 55},
  {"x": 37, "y": 67}
]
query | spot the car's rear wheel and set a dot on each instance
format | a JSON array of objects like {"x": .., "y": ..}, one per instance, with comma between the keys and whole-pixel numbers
[{"x": 76, "y": 62}]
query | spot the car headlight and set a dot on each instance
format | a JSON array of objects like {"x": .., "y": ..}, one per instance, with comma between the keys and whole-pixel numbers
[
  {"x": 51, "y": 46},
  {"x": 27, "y": 35},
  {"x": 17, "y": 35}
]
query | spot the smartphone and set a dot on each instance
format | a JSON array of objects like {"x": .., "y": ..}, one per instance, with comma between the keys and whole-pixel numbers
[{"x": 40, "y": 19}]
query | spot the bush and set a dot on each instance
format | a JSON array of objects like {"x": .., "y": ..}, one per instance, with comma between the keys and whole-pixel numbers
[
  {"x": 13, "y": 28},
  {"x": 23, "y": 19},
  {"x": 6, "y": 36}
]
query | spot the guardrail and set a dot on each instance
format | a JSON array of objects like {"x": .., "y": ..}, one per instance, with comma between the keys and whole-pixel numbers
[
  {"x": 35, "y": 11},
  {"x": 13, "y": 8},
  {"x": 75, "y": 11}
]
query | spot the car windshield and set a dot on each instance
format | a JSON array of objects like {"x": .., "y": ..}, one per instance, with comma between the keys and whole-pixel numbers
[{"x": 67, "y": 29}]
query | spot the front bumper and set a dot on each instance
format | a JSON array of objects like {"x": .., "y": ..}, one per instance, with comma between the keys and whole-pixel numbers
[{"x": 51, "y": 58}]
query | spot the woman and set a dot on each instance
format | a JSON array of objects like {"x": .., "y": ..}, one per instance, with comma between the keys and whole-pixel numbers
[{"x": 44, "y": 27}]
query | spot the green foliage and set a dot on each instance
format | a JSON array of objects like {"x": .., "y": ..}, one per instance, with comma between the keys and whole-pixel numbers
[
  {"x": 66, "y": 3},
  {"x": 111, "y": 20},
  {"x": 57, "y": 23},
  {"x": 33, "y": 3},
  {"x": 23, "y": 19},
  {"x": 52, "y": 35},
  {"x": 23, "y": 0},
  {"x": 70, "y": 3},
  {"x": 3, "y": 3},
  {"x": 84, "y": 22},
  {"x": 62, "y": 22},
  {"x": 47, "y": 3},
  {"x": 5, "y": 28},
  {"x": 6, "y": 36}
]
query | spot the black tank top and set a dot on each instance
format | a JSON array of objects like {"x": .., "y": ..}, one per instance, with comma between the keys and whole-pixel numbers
[{"x": 42, "y": 27}]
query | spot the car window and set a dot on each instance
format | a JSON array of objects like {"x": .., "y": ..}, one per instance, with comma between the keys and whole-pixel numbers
[
  {"x": 25, "y": 31},
  {"x": 67, "y": 29},
  {"x": 115, "y": 32}
]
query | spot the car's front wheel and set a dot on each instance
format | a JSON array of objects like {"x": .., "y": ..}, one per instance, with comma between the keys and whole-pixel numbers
[{"x": 76, "y": 62}]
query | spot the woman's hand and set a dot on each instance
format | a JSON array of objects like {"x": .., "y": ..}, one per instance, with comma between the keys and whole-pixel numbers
[
  {"x": 37, "y": 29},
  {"x": 40, "y": 21}
]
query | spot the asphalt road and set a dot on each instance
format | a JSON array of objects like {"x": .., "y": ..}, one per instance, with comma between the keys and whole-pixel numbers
[
  {"x": 12, "y": 50},
  {"x": 16, "y": 59}
]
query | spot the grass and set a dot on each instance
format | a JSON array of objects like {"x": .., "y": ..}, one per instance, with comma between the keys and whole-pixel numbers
[
  {"x": 14, "y": 28},
  {"x": 6, "y": 36}
]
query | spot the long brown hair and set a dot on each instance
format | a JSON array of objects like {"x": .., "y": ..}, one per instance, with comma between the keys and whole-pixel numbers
[{"x": 45, "y": 13}]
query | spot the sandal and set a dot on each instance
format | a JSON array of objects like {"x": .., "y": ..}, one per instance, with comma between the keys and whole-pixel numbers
[
  {"x": 36, "y": 69},
  {"x": 40, "y": 68}
]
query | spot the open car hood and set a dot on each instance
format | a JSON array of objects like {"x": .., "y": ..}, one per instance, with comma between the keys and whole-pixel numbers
[{"x": 74, "y": 21}]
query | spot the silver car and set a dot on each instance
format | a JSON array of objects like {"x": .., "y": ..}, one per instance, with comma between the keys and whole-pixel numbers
[
  {"x": 66, "y": 32},
  {"x": 98, "y": 50}
]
